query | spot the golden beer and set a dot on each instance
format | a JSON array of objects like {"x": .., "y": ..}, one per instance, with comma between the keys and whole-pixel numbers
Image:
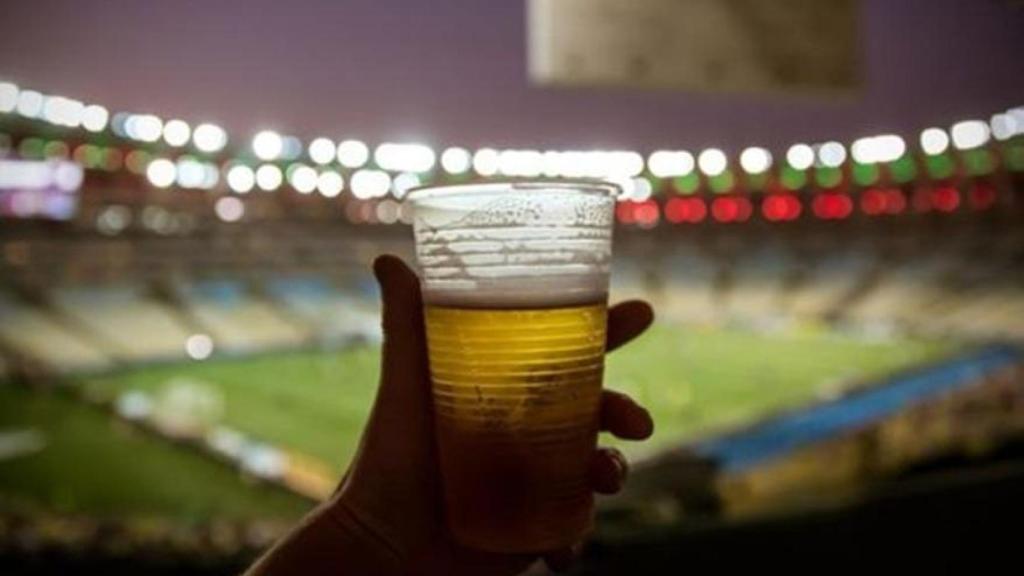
[{"x": 517, "y": 399}]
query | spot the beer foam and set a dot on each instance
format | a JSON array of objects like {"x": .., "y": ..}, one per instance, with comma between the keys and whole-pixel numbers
[{"x": 509, "y": 245}]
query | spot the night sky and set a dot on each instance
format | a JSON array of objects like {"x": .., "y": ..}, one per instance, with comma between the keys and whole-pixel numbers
[{"x": 454, "y": 72}]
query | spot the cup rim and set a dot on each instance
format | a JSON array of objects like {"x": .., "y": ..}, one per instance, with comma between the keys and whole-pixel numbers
[{"x": 581, "y": 185}]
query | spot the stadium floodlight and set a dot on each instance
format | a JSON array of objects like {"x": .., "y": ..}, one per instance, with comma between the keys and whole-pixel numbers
[
  {"x": 642, "y": 189},
  {"x": 520, "y": 162},
  {"x": 95, "y": 117},
  {"x": 352, "y": 153},
  {"x": 876, "y": 149},
  {"x": 456, "y": 160},
  {"x": 485, "y": 162},
  {"x": 30, "y": 103},
  {"x": 144, "y": 127},
  {"x": 8, "y": 97},
  {"x": 403, "y": 183},
  {"x": 712, "y": 162},
  {"x": 329, "y": 183},
  {"x": 209, "y": 138},
  {"x": 177, "y": 132},
  {"x": 831, "y": 154},
  {"x": 399, "y": 157},
  {"x": 62, "y": 111},
  {"x": 241, "y": 178},
  {"x": 670, "y": 163},
  {"x": 388, "y": 211},
  {"x": 269, "y": 177},
  {"x": 322, "y": 151},
  {"x": 370, "y": 184},
  {"x": 970, "y": 134},
  {"x": 267, "y": 145},
  {"x": 755, "y": 160},
  {"x": 1004, "y": 126},
  {"x": 934, "y": 141},
  {"x": 622, "y": 163},
  {"x": 303, "y": 178},
  {"x": 229, "y": 209},
  {"x": 161, "y": 173},
  {"x": 190, "y": 172},
  {"x": 800, "y": 156}
]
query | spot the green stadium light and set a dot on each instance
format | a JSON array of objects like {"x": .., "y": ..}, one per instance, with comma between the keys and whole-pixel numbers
[
  {"x": 687, "y": 184},
  {"x": 791, "y": 178},
  {"x": 722, "y": 183},
  {"x": 865, "y": 174},
  {"x": 903, "y": 170},
  {"x": 828, "y": 177},
  {"x": 979, "y": 161},
  {"x": 940, "y": 166}
]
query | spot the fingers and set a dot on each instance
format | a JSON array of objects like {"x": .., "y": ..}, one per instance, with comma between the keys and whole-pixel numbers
[
  {"x": 400, "y": 292},
  {"x": 608, "y": 471},
  {"x": 624, "y": 418},
  {"x": 626, "y": 321}
]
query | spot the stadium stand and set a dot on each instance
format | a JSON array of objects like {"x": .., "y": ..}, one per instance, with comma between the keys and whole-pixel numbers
[
  {"x": 36, "y": 335},
  {"x": 758, "y": 283},
  {"x": 237, "y": 321},
  {"x": 690, "y": 294},
  {"x": 139, "y": 327},
  {"x": 337, "y": 317}
]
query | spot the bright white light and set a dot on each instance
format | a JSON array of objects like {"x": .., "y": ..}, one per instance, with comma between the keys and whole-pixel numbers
[
  {"x": 755, "y": 160},
  {"x": 874, "y": 149},
  {"x": 970, "y": 134},
  {"x": 94, "y": 118},
  {"x": 934, "y": 141},
  {"x": 641, "y": 189},
  {"x": 456, "y": 160},
  {"x": 353, "y": 153},
  {"x": 8, "y": 97},
  {"x": 485, "y": 161},
  {"x": 144, "y": 127},
  {"x": 209, "y": 137},
  {"x": 241, "y": 178},
  {"x": 370, "y": 184},
  {"x": 113, "y": 219},
  {"x": 68, "y": 176},
  {"x": 190, "y": 173},
  {"x": 670, "y": 163},
  {"x": 403, "y": 183},
  {"x": 63, "y": 111},
  {"x": 199, "y": 346},
  {"x": 800, "y": 156},
  {"x": 303, "y": 178},
  {"x": 30, "y": 103},
  {"x": 831, "y": 154},
  {"x": 712, "y": 162},
  {"x": 623, "y": 163},
  {"x": 520, "y": 162},
  {"x": 267, "y": 145},
  {"x": 268, "y": 177},
  {"x": 1004, "y": 126},
  {"x": 161, "y": 173},
  {"x": 177, "y": 132},
  {"x": 404, "y": 157},
  {"x": 330, "y": 183},
  {"x": 229, "y": 209},
  {"x": 322, "y": 151}
]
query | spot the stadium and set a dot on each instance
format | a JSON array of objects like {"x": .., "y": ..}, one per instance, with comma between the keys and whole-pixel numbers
[{"x": 190, "y": 326}]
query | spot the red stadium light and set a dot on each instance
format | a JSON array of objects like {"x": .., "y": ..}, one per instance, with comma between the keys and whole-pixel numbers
[
  {"x": 679, "y": 210},
  {"x": 624, "y": 213},
  {"x": 646, "y": 214},
  {"x": 873, "y": 201},
  {"x": 731, "y": 209},
  {"x": 982, "y": 196},
  {"x": 832, "y": 206},
  {"x": 781, "y": 207},
  {"x": 946, "y": 199}
]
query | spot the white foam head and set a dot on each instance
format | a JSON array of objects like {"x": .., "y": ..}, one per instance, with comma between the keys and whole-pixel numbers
[{"x": 514, "y": 245}]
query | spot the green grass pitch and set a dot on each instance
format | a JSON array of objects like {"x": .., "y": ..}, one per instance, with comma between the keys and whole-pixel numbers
[{"x": 694, "y": 380}]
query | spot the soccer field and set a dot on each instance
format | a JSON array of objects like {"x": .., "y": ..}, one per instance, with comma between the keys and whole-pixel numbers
[{"x": 694, "y": 381}]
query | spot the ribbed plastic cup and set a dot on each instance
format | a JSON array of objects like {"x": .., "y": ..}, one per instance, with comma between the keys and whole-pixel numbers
[{"x": 515, "y": 286}]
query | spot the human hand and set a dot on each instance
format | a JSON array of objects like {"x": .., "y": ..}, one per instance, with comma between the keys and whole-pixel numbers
[{"x": 391, "y": 497}]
